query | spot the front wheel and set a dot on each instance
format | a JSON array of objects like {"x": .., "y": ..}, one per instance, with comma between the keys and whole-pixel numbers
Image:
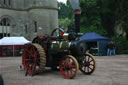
[
  {"x": 69, "y": 67},
  {"x": 88, "y": 64}
]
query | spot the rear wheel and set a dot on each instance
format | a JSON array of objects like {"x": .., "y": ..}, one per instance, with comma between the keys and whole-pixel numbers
[
  {"x": 88, "y": 64},
  {"x": 69, "y": 67},
  {"x": 34, "y": 59}
]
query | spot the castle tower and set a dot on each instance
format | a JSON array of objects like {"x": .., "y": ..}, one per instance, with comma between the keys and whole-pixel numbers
[
  {"x": 43, "y": 16},
  {"x": 27, "y": 18}
]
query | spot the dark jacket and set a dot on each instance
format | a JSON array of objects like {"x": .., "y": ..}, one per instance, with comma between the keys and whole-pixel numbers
[{"x": 111, "y": 45}]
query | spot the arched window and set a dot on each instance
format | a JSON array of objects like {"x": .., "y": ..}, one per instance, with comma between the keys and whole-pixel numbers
[{"x": 4, "y": 27}]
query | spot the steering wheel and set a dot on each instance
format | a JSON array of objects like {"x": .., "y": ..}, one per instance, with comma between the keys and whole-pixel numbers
[{"x": 57, "y": 32}]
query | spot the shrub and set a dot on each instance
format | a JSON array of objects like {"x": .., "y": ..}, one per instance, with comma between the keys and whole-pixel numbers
[
  {"x": 121, "y": 44},
  {"x": 65, "y": 22}
]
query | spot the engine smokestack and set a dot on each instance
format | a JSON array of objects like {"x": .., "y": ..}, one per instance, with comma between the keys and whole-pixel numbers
[
  {"x": 77, "y": 12},
  {"x": 77, "y": 20}
]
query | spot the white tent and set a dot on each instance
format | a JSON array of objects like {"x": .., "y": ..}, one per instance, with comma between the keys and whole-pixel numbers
[{"x": 13, "y": 41}]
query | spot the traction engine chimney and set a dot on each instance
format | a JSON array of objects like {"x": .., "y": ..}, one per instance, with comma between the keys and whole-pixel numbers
[{"x": 77, "y": 13}]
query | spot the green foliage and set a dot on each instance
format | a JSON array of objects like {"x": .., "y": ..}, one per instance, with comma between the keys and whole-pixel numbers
[
  {"x": 101, "y": 15},
  {"x": 98, "y": 14},
  {"x": 65, "y": 22},
  {"x": 62, "y": 9},
  {"x": 65, "y": 14},
  {"x": 65, "y": 10},
  {"x": 93, "y": 29},
  {"x": 121, "y": 44},
  {"x": 122, "y": 15},
  {"x": 89, "y": 3}
]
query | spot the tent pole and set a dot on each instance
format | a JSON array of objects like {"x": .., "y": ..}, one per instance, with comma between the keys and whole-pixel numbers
[
  {"x": 98, "y": 48},
  {"x": 13, "y": 50}
]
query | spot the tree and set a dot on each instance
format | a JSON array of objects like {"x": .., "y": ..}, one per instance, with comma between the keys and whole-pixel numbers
[
  {"x": 90, "y": 18},
  {"x": 65, "y": 14},
  {"x": 121, "y": 14},
  {"x": 62, "y": 9},
  {"x": 104, "y": 14},
  {"x": 65, "y": 10}
]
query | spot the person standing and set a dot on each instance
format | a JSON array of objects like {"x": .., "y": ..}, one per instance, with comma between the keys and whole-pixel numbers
[{"x": 111, "y": 49}]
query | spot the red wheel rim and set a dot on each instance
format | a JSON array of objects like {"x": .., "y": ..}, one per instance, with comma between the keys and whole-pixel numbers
[
  {"x": 31, "y": 54},
  {"x": 68, "y": 67},
  {"x": 88, "y": 64}
]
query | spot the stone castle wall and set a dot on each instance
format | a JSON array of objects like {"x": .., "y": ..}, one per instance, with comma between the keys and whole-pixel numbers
[{"x": 28, "y": 15}]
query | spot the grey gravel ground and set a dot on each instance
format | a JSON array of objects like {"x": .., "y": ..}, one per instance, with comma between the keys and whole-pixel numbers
[{"x": 110, "y": 70}]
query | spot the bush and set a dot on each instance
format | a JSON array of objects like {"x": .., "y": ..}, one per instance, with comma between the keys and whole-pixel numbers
[
  {"x": 121, "y": 44},
  {"x": 65, "y": 22}
]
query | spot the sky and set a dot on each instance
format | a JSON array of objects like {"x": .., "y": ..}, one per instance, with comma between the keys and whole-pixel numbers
[{"x": 64, "y": 1}]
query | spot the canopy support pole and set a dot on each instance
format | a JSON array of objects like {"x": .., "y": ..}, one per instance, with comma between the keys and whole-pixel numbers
[{"x": 13, "y": 50}]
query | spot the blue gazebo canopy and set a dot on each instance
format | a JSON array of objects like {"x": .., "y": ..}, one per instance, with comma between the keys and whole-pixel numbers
[
  {"x": 101, "y": 41},
  {"x": 92, "y": 36}
]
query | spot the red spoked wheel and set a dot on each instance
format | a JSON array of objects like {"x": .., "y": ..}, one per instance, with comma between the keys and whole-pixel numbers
[
  {"x": 69, "y": 67},
  {"x": 88, "y": 64},
  {"x": 33, "y": 59}
]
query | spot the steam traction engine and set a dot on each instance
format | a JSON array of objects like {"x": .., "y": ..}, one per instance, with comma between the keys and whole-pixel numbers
[
  {"x": 67, "y": 52},
  {"x": 52, "y": 51}
]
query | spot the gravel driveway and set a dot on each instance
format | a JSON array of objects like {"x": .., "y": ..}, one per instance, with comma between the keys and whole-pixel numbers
[{"x": 110, "y": 70}]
